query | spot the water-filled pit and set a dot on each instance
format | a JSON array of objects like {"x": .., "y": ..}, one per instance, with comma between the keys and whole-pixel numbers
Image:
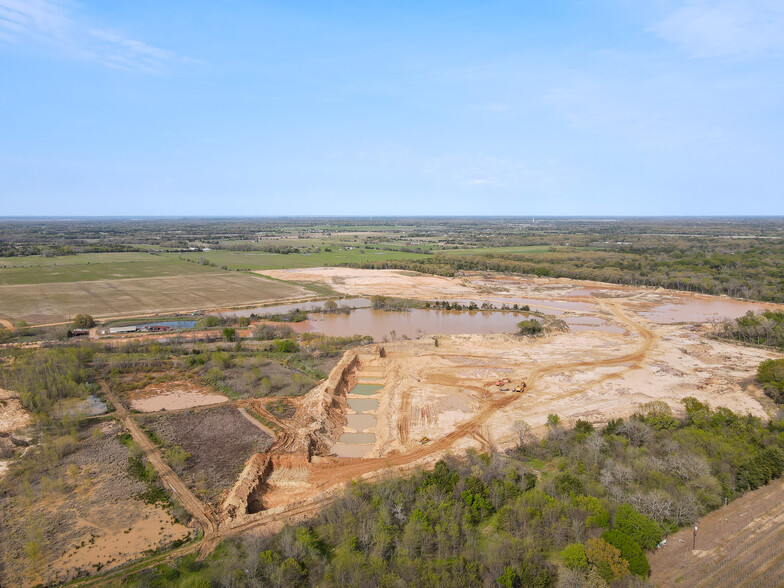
[
  {"x": 357, "y": 444},
  {"x": 365, "y": 389}
]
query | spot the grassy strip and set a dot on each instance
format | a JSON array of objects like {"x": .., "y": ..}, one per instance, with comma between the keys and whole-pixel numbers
[{"x": 267, "y": 423}]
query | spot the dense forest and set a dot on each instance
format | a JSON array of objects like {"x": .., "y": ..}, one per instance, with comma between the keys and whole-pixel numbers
[{"x": 582, "y": 506}]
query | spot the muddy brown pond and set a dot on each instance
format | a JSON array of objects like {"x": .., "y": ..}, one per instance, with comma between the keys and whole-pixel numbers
[
  {"x": 698, "y": 310},
  {"x": 413, "y": 323}
]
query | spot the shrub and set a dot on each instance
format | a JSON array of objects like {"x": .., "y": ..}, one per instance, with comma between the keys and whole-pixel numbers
[
  {"x": 83, "y": 321},
  {"x": 529, "y": 327},
  {"x": 285, "y": 346},
  {"x": 574, "y": 556},
  {"x": 771, "y": 375},
  {"x": 760, "y": 469},
  {"x": 599, "y": 515},
  {"x": 606, "y": 559},
  {"x": 646, "y": 532},
  {"x": 630, "y": 551},
  {"x": 208, "y": 321}
]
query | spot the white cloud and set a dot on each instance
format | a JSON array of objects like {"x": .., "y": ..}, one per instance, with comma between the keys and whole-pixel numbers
[
  {"x": 49, "y": 23},
  {"x": 713, "y": 28}
]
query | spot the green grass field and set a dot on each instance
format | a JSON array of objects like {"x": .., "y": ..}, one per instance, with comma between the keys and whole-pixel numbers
[
  {"x": 496, "y": 250},
  {"x": 94, "y": 266},
  {"x": 254, "y": 260},
  {"x": 79, "y": 259}
]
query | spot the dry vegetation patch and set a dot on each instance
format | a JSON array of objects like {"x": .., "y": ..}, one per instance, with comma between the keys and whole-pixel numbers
[
  {"x": 175, "y": 395},
  {"x": 217, "y": 442},
  {"x": 72, "y": 518}
]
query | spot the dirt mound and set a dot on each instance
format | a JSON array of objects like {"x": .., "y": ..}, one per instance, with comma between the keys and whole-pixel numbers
[{"x": 12, "y": 415}]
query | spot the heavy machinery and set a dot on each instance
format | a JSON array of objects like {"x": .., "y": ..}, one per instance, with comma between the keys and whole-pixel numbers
[
  {"x": 520, "y": 389},
  {"x": 503, "y": 381}
]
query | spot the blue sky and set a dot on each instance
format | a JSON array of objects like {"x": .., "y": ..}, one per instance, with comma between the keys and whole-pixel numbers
[{"x": 602, "y": 107}]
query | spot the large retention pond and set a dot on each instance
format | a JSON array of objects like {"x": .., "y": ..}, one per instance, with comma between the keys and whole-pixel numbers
[
  {"x": 413, "y": 323},
  {"x": 419, "y": 322}
]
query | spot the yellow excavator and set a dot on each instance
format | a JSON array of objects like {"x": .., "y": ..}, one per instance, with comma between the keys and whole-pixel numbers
[{"x": 520, "y": 389}]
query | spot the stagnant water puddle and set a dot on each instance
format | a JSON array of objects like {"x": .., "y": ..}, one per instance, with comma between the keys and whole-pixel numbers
[
  {"x": 578, "y": 324},
  {"x": 361, "y": 422},
  {"x": 357, "y": 444},
  {"x": 365, "y": 389},
  {"x": 357, "y": 438},
  {"x": 697, "y": 310},
  {"x": 362, "y": 404}
]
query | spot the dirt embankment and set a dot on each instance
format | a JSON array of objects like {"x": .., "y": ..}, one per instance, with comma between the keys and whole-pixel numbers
[
  {"x": 325, "y": 406},
  {"x": 322, "y": 418},
  {"x": 12, "y": 415},
  {"x": 255, "y": 475}
]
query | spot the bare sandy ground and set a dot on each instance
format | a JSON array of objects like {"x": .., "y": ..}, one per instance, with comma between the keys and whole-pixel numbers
[
  {"x": 174, "y": 396},
  {"x": 444, "y": 398},
  {"x": 738, "y": 545},
  {"x": 12, "y": 415},
  {"x": 110, "y": 545},
  {"x": 557, "y": 295}
]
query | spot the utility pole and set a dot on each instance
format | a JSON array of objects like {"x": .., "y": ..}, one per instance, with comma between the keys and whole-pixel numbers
[{"x": 694, "y": 539}]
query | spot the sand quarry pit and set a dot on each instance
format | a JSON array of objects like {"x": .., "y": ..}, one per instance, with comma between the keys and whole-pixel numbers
[
  {"x": 174, "y": 396},
  {"x": 438, "y": 398}
]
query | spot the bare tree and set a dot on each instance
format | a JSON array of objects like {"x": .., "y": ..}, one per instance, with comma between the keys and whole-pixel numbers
[{"x": 523, "y": 430}]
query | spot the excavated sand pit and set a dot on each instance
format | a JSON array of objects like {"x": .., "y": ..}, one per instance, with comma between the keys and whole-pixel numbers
[
  {"x": 173, "y": 396},
  {"x": 406, "y": 404}
]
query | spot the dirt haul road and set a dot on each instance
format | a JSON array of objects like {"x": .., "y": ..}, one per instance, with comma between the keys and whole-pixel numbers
[{"x": 171, "y": 480}]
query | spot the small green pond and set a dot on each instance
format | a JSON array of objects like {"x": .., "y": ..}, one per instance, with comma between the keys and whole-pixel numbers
[{"x": 365, "y": 389}]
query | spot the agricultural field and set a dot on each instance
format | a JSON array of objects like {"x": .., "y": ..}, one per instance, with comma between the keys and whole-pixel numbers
[
  {"x": 256, "y": 260},
  {"x": 91, "y": 267},
  {"x": 103, "y": 299},
  {"x": 737, "y": 545}
]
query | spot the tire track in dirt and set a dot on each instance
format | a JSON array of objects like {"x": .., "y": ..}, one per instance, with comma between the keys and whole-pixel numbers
[{"x": 151, "y": 452}]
